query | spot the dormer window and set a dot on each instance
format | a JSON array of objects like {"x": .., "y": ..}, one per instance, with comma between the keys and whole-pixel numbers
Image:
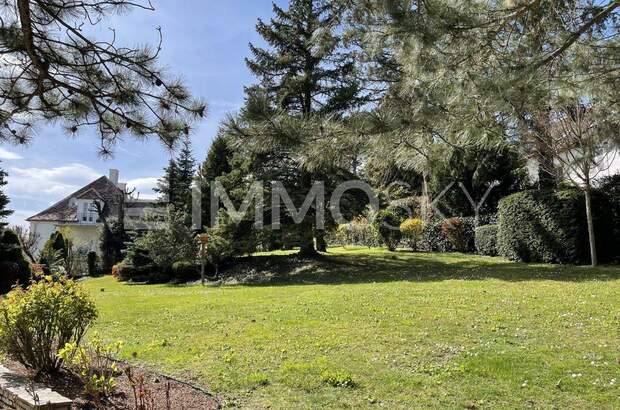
[{"x": 87, "y": 212}]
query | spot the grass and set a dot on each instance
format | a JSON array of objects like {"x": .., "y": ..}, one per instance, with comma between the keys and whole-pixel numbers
[{"x": 370, "y": 328}]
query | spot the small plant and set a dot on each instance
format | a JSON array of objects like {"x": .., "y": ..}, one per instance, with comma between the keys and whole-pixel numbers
[
  {"x": 93, "y": 365},
  {"x": 142, "y": 395},
  {"x": 387, "y": 223},
  {"x": 337, "y": 378},
  {"x": 486, "y": 240},
  {"x": 411, "y": 230},
  {"x": 37, "y": 321}
]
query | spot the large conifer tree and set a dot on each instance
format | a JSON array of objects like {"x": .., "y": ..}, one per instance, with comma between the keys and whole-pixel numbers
[{"x": 305, "y": 74}]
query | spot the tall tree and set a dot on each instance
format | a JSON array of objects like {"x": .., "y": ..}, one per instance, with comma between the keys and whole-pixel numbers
[
  {"x": 491, "y": 70},
  {"x": 305, "y": 74},
  {"x": 216, "y": 164},
  {"x": 175, "y": 186},
  {"x": 53, "y": 69}
]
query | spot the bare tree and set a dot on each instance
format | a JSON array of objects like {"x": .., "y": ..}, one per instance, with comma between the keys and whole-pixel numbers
[
  {"x": 28, "y": 240},
  {"x": 51, "y": 69},
  {"x": 584, "y": 144}
]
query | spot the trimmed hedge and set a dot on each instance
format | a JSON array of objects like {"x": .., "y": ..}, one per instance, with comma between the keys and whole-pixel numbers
[
  {"x": 551, "y": 227},
  {"x": 185, "y": 271},
  {"x": 486, "y": 240}
]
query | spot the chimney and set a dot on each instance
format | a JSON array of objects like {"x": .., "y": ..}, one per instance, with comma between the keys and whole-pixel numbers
[{"x": 113, "y": 176}]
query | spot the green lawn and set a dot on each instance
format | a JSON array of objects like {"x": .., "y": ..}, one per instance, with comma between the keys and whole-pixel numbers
[{"x": 412, "y": 330}]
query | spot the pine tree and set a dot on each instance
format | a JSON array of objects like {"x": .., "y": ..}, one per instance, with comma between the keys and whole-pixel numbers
[
  {"x": 217, "y": 163},
  {"x": 305, "y": 75},
  {"x": 186, "y": 165},
  {"x": 54, "y": 69},
  {"x": 175, "y": 187},
  {"x": 4, "y": 200}
]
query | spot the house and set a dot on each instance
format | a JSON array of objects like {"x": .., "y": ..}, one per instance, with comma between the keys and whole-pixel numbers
[{"x": 81, "y": 214}]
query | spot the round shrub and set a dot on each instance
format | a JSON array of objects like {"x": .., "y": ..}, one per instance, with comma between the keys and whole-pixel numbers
[
  {"x": 38, "y": 321},
  {"x": 411, "y": 231},
  {"x": 486, "y": 240},
  {"x": 387, "y": 223},
  {"x": 551, "y": 227},
  {"x": 460, "y": 233}
]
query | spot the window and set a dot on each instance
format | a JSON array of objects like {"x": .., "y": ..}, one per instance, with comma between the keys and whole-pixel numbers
[{"x": 84, "y": 211}]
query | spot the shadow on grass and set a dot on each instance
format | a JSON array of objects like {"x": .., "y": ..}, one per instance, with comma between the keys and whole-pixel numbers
[{"x": 360, "y": 267}]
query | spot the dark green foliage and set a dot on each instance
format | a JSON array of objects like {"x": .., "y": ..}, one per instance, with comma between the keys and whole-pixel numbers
[
  {"x": 91, "y": 260},
  {"x": 4, "y": 200},
  {"x": 387, "y": 223},
  {"x": 433, "y": 238},
  {"x": 185, "y": 271},
  {"x": 112, "y": 238},
  {"x": 486, "y": 240},
  {"x": 215, "y": 165},
  {"x": 550, "y": 226},
  {"x": 13, "y": 265},
  {"x": 477, "y": 168},
  {"x": 610, "y": 188},
  {"x": 175, "y": 186},
  {"x": 54, "y": 250},
  {"x": 305, "y": 69},
  {"x": 460, "y": 233}
]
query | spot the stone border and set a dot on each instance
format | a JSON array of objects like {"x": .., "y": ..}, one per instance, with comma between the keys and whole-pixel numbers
[{"x": 19, "y": 393}]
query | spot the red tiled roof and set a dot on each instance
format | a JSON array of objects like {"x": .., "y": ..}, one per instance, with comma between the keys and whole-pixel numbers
[{"x": 62, "y": 211}]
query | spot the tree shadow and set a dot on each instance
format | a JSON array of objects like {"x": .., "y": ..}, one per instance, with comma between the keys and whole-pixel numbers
[{"x": 359, "y": 267}]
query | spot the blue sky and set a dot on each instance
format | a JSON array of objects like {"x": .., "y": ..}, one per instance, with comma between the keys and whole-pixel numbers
[{"x": 205, "y": 42}]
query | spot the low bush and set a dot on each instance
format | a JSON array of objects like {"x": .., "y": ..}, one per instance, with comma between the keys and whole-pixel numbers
[
  {"x": 37, "y": 321},
  {"x": 358, "y": 232},
  {"x": 460, "y": 233},
  {"x": 411, "y": 230},
  {"x": 433, "y": 239},
  {"x": 93, "y": 365},
  {"x": 185, "y": 271},
  {"x": 551, "y": 227},
  {"x": 142, "y": 274},
  {"x": 387, "y": 223},
  {"x": 14, "y": 269},
  {"x": 486, "y": 240}
]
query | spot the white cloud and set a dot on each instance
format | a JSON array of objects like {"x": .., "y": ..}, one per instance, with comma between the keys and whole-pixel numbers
[
  {"x": 144, "y": 186},
  {"x": 5, "y": 154},
  {"x": 50, "y": 184}
]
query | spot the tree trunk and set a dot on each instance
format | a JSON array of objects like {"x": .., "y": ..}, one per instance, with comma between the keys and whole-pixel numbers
[
  {"x": 321, "y": 244},
  {"x": 306, "y": 245},
  {"x": 591, "y": 237}
]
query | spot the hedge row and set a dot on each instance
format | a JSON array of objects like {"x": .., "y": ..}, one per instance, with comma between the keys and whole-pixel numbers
[{"x": 551, "y": 227}]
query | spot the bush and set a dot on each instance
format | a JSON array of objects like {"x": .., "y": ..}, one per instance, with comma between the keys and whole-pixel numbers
[
  {"x": 486, "y": 240},
  {"x": 54, "y": 250},
  {"x": 610, "y": 189},
  {"x": 433, "y": 239},
  {"x": 358, "y": 232},
  {"x": 14, "y": 269},
  {"x": 411, "y": 230},
  {"x": 37, "y": 321},
  {"x": 185, "y": 271},
  {"x": 460, "y": 233},
  {"x": 170, "y": 242},
  {"x": 91, "y": 260},
  {"x": 551, "y": 227},
  {"x": 93, "y": 365},
  {"x": 387, "y": 223}
]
